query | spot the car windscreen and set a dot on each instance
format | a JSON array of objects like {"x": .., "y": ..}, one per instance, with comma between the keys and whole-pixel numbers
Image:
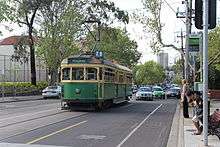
[
  {"x": 145, "y": 89},
  {"x": 157, "y": 89}
]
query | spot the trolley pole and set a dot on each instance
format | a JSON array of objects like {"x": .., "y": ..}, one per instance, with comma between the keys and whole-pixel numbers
[
  {"x": 187, "y": 41},
  {"x": 205, "y": 71}
]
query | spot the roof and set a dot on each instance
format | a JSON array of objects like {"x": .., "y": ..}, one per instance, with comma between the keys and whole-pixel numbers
[
  {"x": 13, "y": 40},
  {"x": 91, "y": 59}
]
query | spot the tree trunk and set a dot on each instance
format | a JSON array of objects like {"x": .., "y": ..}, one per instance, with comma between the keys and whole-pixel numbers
[
  {"x": 54, "y": 76},
  {"x": 32, "y": 56}
]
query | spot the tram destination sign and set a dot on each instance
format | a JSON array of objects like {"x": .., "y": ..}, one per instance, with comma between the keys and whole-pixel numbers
[{"x": 78, "y": 60}]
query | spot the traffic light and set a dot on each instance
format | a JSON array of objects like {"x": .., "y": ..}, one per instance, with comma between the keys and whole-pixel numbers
[{"x": 199, "y": 14}]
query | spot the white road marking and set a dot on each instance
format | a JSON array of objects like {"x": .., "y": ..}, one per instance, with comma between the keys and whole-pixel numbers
[
  {"x": 135, "y": 129},
  {"x": 95, "y": 137},
  {"x": 54, "y": 133}
]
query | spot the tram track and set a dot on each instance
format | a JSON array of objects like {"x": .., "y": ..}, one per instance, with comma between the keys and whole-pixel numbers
[
  {"x": 40, "y": 127},
  {"x": 20, "y": 110},
  {"x": 27, "y": 120}
]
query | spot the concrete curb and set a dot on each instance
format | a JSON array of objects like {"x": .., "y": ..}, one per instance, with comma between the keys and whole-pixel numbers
[
  {"x": 176, "y": 132},
  {"x": 181, "y": 139},
  {"x": 19, "y": 99}
]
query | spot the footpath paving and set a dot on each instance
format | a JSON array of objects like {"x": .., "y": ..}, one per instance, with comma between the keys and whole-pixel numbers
[
  {"x": 182, "y": 129},
  {"x": 20, "y": 98}
]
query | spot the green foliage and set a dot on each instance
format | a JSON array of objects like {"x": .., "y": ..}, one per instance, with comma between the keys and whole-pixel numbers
[
  {"x": 23, "y": 87},
  {"x": 214, "y": 46},
  {"x": 59, "y": 30},
  {"x": 177, "y": 67},
  {"x": 214, "y": 58},
  {"x": 177, "y": 79},
  {"x": 116, "y": 45},
  {"x": 149, "y": 73},
  {"x": 102, "y": 10}
]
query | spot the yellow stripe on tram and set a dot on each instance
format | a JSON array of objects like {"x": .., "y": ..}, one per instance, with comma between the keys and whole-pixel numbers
[{"x": 54, "y": 133}]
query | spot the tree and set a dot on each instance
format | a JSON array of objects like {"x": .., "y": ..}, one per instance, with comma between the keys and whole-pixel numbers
[
  {"x": 63, "y": 27},
  {"x": 151, "y": 19},
  {"x": 214, "y": 46},
  {"x": 58, "y": 35},
  {"x": 149, "y": 73},
  {"x": 116, "y": 45},
  {"x": 214, "y": 58},
  {"x": 24, "y": 12}
]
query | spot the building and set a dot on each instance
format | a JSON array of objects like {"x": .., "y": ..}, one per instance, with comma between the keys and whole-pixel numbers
[
  {"x": 17, "y": 71},
  {"x": 162, "y": 59}
]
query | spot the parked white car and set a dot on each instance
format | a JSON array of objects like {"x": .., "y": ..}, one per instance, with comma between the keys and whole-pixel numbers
[
  {"x": 144, "y": 93},
  {"x": 52, "y": 91}
]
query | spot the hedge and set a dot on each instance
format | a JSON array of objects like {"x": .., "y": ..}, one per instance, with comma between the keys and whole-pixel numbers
[{"x": 22, "y": 88}]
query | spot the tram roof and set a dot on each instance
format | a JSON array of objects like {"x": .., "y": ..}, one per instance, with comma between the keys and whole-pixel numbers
[{"x": 91, "y": 59}]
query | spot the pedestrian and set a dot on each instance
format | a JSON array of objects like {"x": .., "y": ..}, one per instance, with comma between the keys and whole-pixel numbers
[
  {"x": 198, "y": 105},
  {"x": 184, "y": 99}
]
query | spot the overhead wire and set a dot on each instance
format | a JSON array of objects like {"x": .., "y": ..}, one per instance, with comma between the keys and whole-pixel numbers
[{"x": 172, "y": 9}]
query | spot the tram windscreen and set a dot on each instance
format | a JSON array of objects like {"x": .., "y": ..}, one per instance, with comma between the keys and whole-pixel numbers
[
  {"x": 77, "y": 74},
  {"x": 66, "y": 74}
]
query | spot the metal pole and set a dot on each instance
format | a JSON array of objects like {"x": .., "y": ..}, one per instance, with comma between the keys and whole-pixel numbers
[
  {"x": 205, "y": 72},
  {"x": 187, "y": 41},
  {"x": 190, "y": 16},
  {"x": 3, "y": 87},
  {"x": 182, "y": 56},
  {"x": 201, "y": 55}
]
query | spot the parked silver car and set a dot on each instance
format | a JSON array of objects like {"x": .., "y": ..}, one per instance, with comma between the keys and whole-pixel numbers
[
  {"x": 144, "y": 93},
  {"x": 52, "y": 91}
]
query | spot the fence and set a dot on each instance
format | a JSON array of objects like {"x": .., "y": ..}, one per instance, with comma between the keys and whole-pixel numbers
[{"x": 13, "y": 71}]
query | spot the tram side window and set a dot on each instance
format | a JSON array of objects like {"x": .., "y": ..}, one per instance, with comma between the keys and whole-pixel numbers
[
  {"x": 66, "y": 74},
  {"x": 129, "y": 79},
  {"x": 77, "y": 74},
  {"x": 109, "y": 75},
  {"x": 100, "y": 73},
  {"x": 121, "y": 78},
  {"x": 91, "y": 74}
]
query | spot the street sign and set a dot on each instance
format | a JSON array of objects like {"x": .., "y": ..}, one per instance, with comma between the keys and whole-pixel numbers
[{"x": 194, "y": 43}]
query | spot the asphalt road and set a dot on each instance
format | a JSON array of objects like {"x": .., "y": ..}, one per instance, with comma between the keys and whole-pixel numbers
[{"x": 134, "y": 124}]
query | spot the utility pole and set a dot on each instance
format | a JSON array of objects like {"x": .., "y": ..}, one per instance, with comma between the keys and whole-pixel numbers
[
  {"x": 190, "y": 16},
  {"x": 187, "y": 40},
  {"x": 205, "y": 71},
  {"x": 182, "y": 56}
]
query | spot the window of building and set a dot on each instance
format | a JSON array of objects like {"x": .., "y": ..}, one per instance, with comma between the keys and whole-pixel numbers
[
  {"x": 91, "y": 74},
  {"x": 77, "y": 74},
  {"x": 66, "y": 74}
]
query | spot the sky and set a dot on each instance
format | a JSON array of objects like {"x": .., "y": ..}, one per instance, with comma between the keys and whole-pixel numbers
[{"x": 170, "y": 31}]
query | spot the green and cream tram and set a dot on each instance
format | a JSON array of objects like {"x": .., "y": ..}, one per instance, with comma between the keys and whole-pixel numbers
[{"x": 88, "y": 80}]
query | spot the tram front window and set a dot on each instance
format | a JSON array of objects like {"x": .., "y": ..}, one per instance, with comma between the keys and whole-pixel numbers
[
  {"x": 66, "y": 74},
  {"x": 77, "y": 74},
  {"x": 91, "y": 74}
]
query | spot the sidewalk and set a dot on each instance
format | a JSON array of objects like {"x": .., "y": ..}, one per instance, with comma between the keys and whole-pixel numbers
[
  {"x": 20, "y": 98},
  {"x": 181, "y": 134},
  {"x": 191, "y": 140}
]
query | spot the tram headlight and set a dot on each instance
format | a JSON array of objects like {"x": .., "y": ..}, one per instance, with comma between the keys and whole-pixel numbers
[{"x": 77, "y": 91}]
